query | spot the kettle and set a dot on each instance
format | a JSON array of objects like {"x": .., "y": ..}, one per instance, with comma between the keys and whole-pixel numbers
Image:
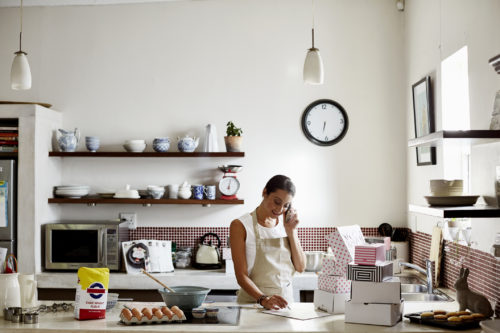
[{"x": 208, "y": 256}]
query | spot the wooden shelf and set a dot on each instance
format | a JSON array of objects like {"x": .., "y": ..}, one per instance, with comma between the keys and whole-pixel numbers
[
  {"x": 146, "y": 202},
  {"x": 8, "y": 154},
  {"x": 473, "y": 137},
  {"x": 477, "y": 211},
  {"x": 143, "y": 154}
]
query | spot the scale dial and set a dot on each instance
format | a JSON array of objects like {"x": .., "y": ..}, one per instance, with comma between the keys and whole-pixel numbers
[{"x": 229, "y": 186}]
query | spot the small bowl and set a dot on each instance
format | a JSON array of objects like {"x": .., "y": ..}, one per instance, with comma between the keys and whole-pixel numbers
[
  {"x": 134, "y": 148},
  {"x": 212, "y": 312},
  {"x": 198, "y": 313},
  {"x": 135, "y": 142}
]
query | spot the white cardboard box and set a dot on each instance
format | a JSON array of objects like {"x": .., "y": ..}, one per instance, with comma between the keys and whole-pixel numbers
[
  {"x": 373, "y": 313},
  {"x": 387, "y": 291},
  {"x": 330, "y": 302}
]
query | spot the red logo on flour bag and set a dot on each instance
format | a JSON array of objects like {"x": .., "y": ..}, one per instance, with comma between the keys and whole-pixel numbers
[{"x": 91, "y": 293}]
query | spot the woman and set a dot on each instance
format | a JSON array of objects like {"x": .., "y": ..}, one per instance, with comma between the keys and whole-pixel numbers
[{"x": 266, "y": 249}]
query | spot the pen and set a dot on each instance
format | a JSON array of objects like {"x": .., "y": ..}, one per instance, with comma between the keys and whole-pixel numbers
[{"x": 288, "y": 307}]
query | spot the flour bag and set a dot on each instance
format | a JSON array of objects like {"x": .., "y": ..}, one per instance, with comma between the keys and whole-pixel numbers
[{"x": 91, "y": 293}]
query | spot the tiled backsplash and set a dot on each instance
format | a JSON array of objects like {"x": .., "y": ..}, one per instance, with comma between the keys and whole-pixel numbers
[
  {"x": 312, "y": 239},
  {"x": 484, "y": 268}
]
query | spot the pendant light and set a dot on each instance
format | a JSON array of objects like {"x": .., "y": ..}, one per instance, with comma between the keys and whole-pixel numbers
[
  {"x": 20, "y": 73},
  {"x": 313, "y": 65}
]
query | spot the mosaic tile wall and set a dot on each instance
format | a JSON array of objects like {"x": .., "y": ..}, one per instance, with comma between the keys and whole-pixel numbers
[
  {"x": 312, "y": 239},
  {"x": 484, "y": 269}
]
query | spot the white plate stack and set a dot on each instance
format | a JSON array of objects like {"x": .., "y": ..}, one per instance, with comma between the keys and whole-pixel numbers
[{"x": 71, "y": 191}]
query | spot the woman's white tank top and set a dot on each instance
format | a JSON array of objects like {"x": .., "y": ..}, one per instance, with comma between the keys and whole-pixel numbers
[{"x": 277, "y": 231}]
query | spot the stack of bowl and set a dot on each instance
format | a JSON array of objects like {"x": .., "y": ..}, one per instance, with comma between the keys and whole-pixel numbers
[
  {"x": 92, "y": 143},
  {"x": 71, "y": 191},
  {"x": 445, "y": 188},
  {"x": 135, "y": 146}
]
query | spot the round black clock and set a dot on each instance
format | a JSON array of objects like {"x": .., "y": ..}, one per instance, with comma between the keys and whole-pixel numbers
[{"x": 325, "y": 122}]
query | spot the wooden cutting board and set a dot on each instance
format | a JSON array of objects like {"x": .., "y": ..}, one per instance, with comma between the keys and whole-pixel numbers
[{"x": 435, "y": 253}]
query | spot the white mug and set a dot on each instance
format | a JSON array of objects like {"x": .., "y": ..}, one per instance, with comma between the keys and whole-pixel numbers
[
  {"x": 173, "y": 191},
  {"x": 29, "y": 294},
  {"x": 10, "y": 295}
]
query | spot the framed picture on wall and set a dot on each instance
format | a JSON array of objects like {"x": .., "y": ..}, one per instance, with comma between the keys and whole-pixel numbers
[{"x": 423, "y": 115}]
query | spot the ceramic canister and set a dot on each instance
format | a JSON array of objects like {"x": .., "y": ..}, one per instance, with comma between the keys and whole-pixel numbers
[
  {"x": 210, "y": 192},
  {"x": 10, "y": 294},
  {"x": 198, "y": 192}
]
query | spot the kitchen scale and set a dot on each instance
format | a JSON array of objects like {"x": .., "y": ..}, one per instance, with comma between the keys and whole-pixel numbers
[{"x": 229, "y": 184}]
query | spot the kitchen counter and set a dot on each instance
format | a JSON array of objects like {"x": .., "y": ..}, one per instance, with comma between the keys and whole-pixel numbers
[
  {"x": 251, "y": 320},
  {"x": 213, "y": 279}
]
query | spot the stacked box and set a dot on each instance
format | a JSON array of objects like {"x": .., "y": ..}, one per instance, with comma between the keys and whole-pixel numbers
[
  {"x": 375, "y": 295},
  {"x": 333, "y": 286},
  {"x": 369, "y": 254}
]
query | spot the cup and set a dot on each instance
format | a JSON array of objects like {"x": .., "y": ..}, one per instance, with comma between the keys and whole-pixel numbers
[
  {"x": 210, "y": 192},
  {"x": 28, "y": 287},
  {"x": 198, "y": 192},
  {"x": 173, "y": 191}
]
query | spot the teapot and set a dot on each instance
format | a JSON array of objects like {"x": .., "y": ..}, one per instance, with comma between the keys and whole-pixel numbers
[
  {"x": 68, "y": 140},
  {"x": 187, "y": 144}
]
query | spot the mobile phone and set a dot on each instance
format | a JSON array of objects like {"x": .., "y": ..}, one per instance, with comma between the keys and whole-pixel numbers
[{"x": 288, "y": 213}]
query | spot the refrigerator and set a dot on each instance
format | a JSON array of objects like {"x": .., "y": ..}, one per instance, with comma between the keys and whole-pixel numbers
[{"x": 8, "y": 205}]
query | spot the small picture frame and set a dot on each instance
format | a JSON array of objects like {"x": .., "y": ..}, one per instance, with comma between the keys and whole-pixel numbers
[{"x": 423, "y": 115}]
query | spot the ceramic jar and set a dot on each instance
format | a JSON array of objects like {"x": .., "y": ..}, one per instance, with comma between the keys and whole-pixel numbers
[
  {"x": 161, "y": 145},
  {"x": 10, "y": 292}
]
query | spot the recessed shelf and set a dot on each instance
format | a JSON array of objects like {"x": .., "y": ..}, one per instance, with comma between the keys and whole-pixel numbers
[
  {"x": 476, "y": 211},
  {"x": 146, "y": 202},
  {"x": 473, "y": 137},
  {"x": 143, "y": 154}
]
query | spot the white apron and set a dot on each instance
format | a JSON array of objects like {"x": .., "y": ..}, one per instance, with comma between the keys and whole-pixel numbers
[{"x": 273, "y": 268}]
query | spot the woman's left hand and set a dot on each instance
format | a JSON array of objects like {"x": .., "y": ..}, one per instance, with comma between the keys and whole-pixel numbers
[{"x": 292, "y": 221}]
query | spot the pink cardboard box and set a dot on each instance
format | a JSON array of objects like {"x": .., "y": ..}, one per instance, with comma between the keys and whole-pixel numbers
[
  {"x": 369, "y": 254},
  {"x": 331, "y": 267},
  {"x": 343, "y": 240},
  {"x": 334, "y": 284}
]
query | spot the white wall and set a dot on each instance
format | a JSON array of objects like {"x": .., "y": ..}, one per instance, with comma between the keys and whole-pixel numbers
[
  {"x": 433, "y": 31},
  {"x": 168, "y": 69}
]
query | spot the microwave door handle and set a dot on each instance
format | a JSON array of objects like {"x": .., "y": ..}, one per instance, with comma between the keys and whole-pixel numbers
[{"x": 104, "y": 248}]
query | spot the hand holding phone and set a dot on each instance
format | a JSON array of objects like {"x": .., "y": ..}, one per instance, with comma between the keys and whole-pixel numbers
[{"x": 288, "y": 213}]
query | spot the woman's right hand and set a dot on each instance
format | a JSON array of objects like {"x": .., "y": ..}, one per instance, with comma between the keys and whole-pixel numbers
[{"x": 274, "y": 302}]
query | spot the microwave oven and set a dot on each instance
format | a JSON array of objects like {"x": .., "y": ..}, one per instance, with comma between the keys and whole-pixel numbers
[{"x": 73, "y": 244}]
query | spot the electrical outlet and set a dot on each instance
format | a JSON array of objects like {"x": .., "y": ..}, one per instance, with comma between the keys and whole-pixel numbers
[{"x": 130, "y": 218}]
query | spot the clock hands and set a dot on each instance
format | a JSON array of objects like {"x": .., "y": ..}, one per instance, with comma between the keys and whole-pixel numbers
[{"x": 324, "y": 125}]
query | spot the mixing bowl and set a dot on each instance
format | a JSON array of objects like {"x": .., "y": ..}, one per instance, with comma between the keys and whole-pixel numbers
[
  {"x": 314, "y": 260},
  {"x": 185, "y": 297}
]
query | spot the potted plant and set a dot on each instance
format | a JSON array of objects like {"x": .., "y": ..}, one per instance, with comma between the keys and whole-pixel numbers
[{"x": 233, "y": 139}]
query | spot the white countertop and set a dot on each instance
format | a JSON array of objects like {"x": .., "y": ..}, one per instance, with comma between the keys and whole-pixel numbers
[{"x": 251, "y": 320}]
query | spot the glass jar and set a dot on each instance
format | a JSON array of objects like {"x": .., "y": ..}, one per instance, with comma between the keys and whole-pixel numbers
[{"x": 183, "y": 257}]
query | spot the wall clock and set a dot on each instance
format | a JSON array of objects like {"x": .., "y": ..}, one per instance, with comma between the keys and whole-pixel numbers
[{"x": 324, "y": 122}]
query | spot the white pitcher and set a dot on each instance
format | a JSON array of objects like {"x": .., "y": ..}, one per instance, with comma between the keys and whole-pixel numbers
[
  {"x": 29, "y": 294},
  {"x": 10, "y": 294}
]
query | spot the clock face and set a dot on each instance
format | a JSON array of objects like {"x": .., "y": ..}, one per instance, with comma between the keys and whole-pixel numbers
[
  {"x": 325, "y": 122},
  {"x": 229, "y": 186}
]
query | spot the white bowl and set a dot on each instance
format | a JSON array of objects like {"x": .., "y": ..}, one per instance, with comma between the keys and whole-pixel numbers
[
  {"x": 443, "y": 187},
  {"x": 135, "y": 141},
  {"x": 134, "y": 148}
]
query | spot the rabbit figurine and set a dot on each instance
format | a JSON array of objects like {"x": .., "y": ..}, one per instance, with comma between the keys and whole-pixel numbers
[{"x": 467, "y": 299}]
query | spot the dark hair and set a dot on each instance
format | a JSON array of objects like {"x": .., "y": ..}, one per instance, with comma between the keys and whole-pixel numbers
[{"x": 280, "y": 182}]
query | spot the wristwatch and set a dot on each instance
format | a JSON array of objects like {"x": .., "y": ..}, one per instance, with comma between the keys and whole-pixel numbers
[{"x": 261, "y": 298}]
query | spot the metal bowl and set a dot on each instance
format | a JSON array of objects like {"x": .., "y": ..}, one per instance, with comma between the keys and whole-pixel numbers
[
  {"x": 230, "y": 168},
  {"x": 314, "y": 260},
  {"x": 185, "y": 297}
]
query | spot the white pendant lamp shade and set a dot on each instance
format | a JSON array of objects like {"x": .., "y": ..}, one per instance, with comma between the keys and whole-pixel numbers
[
  {"x": 20, "y": 73},
  {"x": 313, "y": 67}
]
